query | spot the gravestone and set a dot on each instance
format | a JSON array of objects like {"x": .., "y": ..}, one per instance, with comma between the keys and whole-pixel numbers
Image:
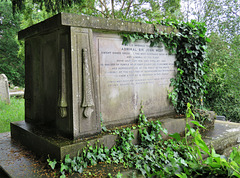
[
  {"x": 78, "y": 70},
  {"x": 4, "y": 89}
]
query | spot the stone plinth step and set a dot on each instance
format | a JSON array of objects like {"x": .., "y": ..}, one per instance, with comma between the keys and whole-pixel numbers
[{"x": 46, "y": 142}]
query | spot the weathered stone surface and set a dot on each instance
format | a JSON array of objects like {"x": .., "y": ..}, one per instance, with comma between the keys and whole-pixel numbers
[
  {"x": 131, "y": 76},
  {"x": 17, "y": 161},
  {"x": 228, "y": 151},
  {"x": 74, "y": 20},
  {"x": 4, "y": 89},
  {"x": 77, "y": 68},
  {"x": 210, "y": 118},
  {"x": 223, "y": 136}
]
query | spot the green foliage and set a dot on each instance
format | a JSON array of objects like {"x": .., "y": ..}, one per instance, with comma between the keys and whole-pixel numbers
[
  {"x": 11, "y": 113},
  {"x": 223, "y": 28},
  {"x": 156, "y": 157},
  {"x": 50, "y": 5},
  {"x": 104, "y": 129},
  {"x": 223, "y": 79},
  {"x": 189, "y": 44},
  {"x": 52, "y": 164},
  {"x": 31, "y": 14},
  {"x": 142, "y": 119},
  {"x": 120, "y": 9},
  {"x": 10, "y": 64},
  {"x": 221, "y": 17},
  {"x": 215, "y": 164}
]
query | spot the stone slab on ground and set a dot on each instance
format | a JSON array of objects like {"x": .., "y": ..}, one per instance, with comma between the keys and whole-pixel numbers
[
  {"x": 15, "y": 161},
  {"x": 224, "y": 136}
]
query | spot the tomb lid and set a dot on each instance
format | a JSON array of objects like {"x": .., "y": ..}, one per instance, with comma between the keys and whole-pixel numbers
[{"x": 75, "y": 20}]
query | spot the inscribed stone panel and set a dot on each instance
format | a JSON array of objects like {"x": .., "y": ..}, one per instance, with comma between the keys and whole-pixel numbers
[{"x": 131, "y": 74}]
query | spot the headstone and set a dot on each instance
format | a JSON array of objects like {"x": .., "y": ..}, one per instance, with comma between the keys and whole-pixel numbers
[
  {"x": 77, "y": 69},
  {"x": 4, "y": 89}
]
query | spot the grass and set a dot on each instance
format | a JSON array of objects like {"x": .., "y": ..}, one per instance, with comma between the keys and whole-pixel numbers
[{"x": 11, "y": 113}]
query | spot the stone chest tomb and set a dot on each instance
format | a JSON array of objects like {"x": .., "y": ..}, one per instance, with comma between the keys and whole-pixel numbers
[{"x": 78, "y": 70}]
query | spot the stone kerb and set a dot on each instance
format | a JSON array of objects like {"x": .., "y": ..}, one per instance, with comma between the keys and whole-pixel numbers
[{"x": 4, "y": 89}]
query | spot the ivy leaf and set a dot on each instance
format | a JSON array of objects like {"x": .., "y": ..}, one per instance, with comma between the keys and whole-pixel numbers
[
  {"x": 68, "y": 159},
  {"x": 146, "y": 36},
  {"x": 62, "y": 176},
  {"x": 119, "y": 175},
  {"x": 52, "y": 164},
  {"x": 165, "y": 131},
  {"x": 80, "y": 170},
  {"x": 132, "y": 38},
  {"x": 63, "y": 167}
]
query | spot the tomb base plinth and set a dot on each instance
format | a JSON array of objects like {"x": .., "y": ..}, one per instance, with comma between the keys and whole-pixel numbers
[{"x": 45, "y": 142}]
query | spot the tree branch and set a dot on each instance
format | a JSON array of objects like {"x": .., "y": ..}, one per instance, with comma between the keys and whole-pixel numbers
[
  {"x": 112, "y": 2},
  {"x": 96, "y": 10},
  {"x": 102, "y": 10},
  {"x": 106, "y": 8},
  {"x": 104, "y": 4},
  {"x": 122, "y": 5},
  {"x": 128, "y": 8}
]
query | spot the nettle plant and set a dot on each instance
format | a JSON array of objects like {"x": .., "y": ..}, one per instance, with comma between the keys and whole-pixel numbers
[{"x": 188, "y": 42}]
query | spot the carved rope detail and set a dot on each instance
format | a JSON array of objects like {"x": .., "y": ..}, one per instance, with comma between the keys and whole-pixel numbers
[
  {"x": 62, "y": 100},
  {"x": 87, "y": 88}
]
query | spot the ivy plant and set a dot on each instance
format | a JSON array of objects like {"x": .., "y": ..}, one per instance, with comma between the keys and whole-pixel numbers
[
  {"x": 155, "y": 157},
  {"x": 188, "y": 42}
]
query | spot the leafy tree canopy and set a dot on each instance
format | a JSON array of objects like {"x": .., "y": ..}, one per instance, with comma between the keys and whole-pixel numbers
[
  {"x": 120, "y": 9},
  {"x": 10, "y": 63},
  {"x": 221, "y": 16},
  {"x": 50, "y": 5}
]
